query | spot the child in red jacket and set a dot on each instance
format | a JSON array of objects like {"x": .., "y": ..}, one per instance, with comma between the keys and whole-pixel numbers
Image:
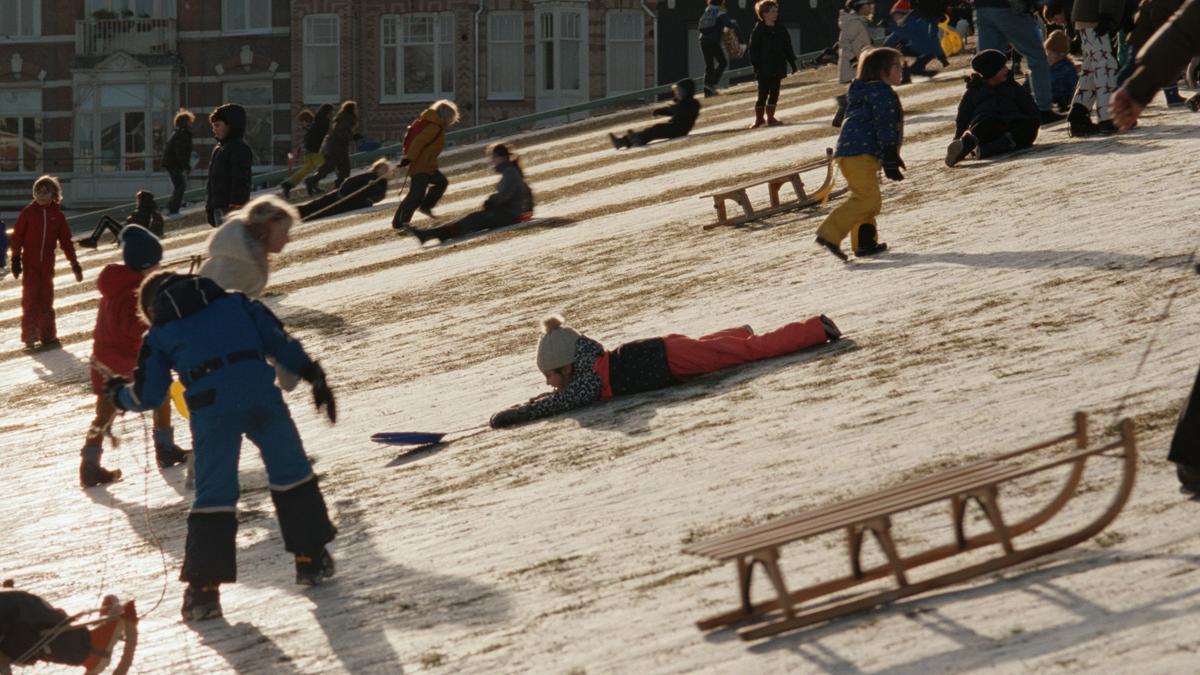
[
  {"x": 38, "y": 229},
  {"x": 581, "y": 372},
  {"x": 116, "y": 343}
]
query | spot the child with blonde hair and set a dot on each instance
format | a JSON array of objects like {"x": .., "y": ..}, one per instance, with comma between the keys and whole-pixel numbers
[
  {"x": 39, "y": 229},
  {"x": 423, "y": 143}
]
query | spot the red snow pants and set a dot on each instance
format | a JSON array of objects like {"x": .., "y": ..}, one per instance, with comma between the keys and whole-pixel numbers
[
  {"x": 687, "y": 356},
  {"x": 37, "y": 305}
]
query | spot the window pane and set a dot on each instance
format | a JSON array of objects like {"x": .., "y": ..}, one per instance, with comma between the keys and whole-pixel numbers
[
  {"x": 505, "y": 27},
  {"x": 418, "y": 70},
  {"x": 570, "y": 64},
  {"x": 260, "y": 14},
  {"x": 389, "y": 30},
  {"x": 624, "y": 26},
  {"x": 110, "y": 141},
  {"x": 10, "y": 144},
  {"x": 85, "y": 151},
  {"x": 235, "y": 14},
  {"x": 123, "y": 96},
  {"x": 135, "y": 141},
  {"x": 158, "y": 135},
  {"x": 390, "y": 78},
  {"x": 547, "y": 30},
  {"x": 570, "y": 28},
  {"x": 20, "y": 100},
  {"x": 9, "y": 22},
  {"x": 506, "y": 69},
  {"x": 446, "y": 66},
  {"x": 258, "y": 134},
  {"x": 418, "y": 29},
  {"x": 320, "y": 30},
  {"x": 27, "y": 27},
  {"x": 32, "y": 133},
  {"x": 321, "y": 72},
  {"x": 446, "y": 27},
  {"x": 249, "y": 94}
]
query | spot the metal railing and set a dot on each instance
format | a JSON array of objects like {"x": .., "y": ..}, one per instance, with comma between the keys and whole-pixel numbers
[{"x": 99, "y": 37}]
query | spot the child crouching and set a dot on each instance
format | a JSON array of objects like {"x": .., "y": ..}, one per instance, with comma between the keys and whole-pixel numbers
[
  {"x": 995, "y": 115},
  {"x": 582, "y": 372}
]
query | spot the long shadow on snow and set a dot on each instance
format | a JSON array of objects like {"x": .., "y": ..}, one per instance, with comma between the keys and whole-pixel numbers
[
  {"x": 977, "y": 650},
  {"x": 632, "y": 415},
  {"x": 369, "y": 596},
  {"x": 59, "y": 366},
  {"x": 1035, "y": 259}
]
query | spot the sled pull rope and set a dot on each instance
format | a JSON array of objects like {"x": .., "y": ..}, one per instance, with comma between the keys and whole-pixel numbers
[{"x": 147, "y": 442}]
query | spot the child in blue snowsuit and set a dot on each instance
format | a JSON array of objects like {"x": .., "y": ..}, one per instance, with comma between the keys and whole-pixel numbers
[
  {"x": 914, "y": 36},
  {"x": 218, "y": 343}
]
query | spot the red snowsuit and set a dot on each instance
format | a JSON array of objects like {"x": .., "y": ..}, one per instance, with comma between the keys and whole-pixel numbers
[{"x": 38, "y": 230}]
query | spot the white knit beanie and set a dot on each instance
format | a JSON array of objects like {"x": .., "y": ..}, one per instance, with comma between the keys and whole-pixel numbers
[{"x": 556, "y": 348}]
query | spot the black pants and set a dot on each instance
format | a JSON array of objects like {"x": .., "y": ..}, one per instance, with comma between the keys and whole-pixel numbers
[
  {"x": 331, "y": 204},
  {"x": 424, "y": 192},
  {"x": 470, "y": 223},
  {"x": 107, "y": 223},
  {"x": 768, "y": 92},
  {"x": 178, "y": 185},
  {"x": 341, "y": 164},
  {"x": 1185, "y": 446},
  {"x": 1024, "y": 132},
  {"x": 715, "y": 62},
  {"x": 657, "y": 132}
]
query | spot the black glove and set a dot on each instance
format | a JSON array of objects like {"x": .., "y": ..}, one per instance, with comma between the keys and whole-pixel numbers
[
  {"x": 113, "y": 385},
  {"x": 1104, "y": 25},
  {"x": 892, "y": 163},
  {"x": 322, "y": 394},
  {"x": 508, "y": 418},
  {"x": 16, "y": 266},
  {"x": 405, "y": 162},
  {"x": 77, "y": 270}
]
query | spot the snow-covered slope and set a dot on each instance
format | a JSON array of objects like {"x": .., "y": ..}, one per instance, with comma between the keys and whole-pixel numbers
[{"x": 1017, "y": 292}]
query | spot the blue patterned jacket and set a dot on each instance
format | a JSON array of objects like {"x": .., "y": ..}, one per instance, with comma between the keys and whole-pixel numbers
[{"x": 874, "y": 120}]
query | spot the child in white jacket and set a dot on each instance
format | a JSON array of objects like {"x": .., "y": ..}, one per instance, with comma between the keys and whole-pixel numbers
[{"x": 853, "y": 38}]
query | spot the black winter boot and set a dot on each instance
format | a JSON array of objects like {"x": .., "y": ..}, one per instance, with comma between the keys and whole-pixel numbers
[
  {"x": 92, "y": 474},
  {"x": 998, "y": 146},
  {"x": 313, "y": 568},
  {"x": 201, "y": 601},
  {"x": 88, "y": 242},
  {"x": 840, "y": 115},
  {"x": 1080, "y": 122},
  {"x": 168, "y": 456},
  {"x": 1106, "y": 128},
  {"x": 1193, "y": 103},
  {"x": 831, "y": 329},
  {"x": 960, "y": 148},
  {"x": 1174, "y": 100},
  {"x": 285, "y": 188},
  {"x": 834, "y": 249},
  {"x": 868, "y": 241},
  {"x": 312, "y": 186},
  {"x": 1189, "y": 478}
]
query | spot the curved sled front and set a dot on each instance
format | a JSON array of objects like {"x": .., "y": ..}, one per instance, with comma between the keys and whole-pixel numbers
[
  {"x": 978, "y": 482},
  {"x": 803, "y": 199}
]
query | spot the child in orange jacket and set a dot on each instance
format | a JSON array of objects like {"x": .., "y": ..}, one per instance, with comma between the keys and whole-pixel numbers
[{"x": 40, "y": 227}]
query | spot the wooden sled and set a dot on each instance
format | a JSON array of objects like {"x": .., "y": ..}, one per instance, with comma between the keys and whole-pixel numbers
[
  {"x": 979, "y": 481},
  {"x": 774, "y": 184}
]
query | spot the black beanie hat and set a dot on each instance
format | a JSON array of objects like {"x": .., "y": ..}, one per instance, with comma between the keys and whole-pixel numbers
[
  {"x": 140, "y": 249},
  {"x": 687, "y": 85},
  {"x": 988, "y": 62}
]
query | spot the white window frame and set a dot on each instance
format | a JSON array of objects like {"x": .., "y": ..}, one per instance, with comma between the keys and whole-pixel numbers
[
  {"x": 558, "y": 23},
  {"x": 440, "y": 90},
  {"x": 516, "y": 94},
  {"x": 36, "y": 9},
  {"x": 306, "y": 42},
  {"x": 269, "y": 85},
  {"x": 23, "y": 114},
  {"x": 163, "y": 9},
  {"x": 247, "y": 4},
  {"x": 612, "y": 44}
]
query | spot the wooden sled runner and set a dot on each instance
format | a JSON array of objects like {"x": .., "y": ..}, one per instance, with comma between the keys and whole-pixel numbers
[
  {"x": 979, "y": 482},
  {"x": 774, "y": 184}
]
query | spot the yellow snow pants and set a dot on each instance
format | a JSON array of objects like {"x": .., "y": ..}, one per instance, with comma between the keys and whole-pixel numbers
[
  {"x": 312, "y": 162},
  {"x": 863, "y": 204}
]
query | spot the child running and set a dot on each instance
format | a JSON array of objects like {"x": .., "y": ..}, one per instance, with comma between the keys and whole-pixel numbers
[
  {"x": 39, "y": 229},
  {"x": 218, "y": 343},
  {"x": 115, "y": 345},
  {"x": 315, "y": 127},
  {"x": 870, "y": 137},
  {"x": 427, "y": 184},
  {"x": 582, "y": 372}
]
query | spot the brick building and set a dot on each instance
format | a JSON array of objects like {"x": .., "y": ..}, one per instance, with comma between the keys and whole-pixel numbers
[
  {"x": 495, "y": 58},
  {"x": 88, "y": 88}
]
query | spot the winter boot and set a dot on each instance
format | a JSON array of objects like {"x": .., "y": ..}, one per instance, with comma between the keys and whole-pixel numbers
[
  {"x": 165, "y": 451},
  {"x": 1046, "y": 117},
  {"x": 1189, "y": 478},
  {"x": 840, "y": 115},
  {"x": 1004, "y": 143},
  {"x": 312, "y": 569},
  {"x": 285, "y": 188},
  {"x": 709, "y": 91},
  {"x": 619, "y": 142},
  {"x": 960, "y": 148},
  {"x": 1106, "y": 128},
  {"x": 88, "y": 242},
  {"x": 92, "y": 474},
  {"x": 759, "y": 120},
  {"x": 52, "y": 343},
  {"x": 833, "y": 248},
  {"x": 1193, "y": 103},
  {"x": 868, "y": 241},
  {"x": 771, "y": 121},
  {"x": 1174, "y": 100},
  {"x": 831, "y": 330},
  {"x": 30, "y": 346},
  {"x": 1080, "y": 122},
  {"x": 312, "y": 186},
  {"x": 201, "y": 601},
  {"x": 906, "y": 75}
]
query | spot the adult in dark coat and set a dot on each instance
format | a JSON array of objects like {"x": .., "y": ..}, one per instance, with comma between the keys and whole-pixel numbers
[
  {"x": 995, "y": 115},
  {"x": 511, "y": 203},
  {"x": 683, "y": 112},
  {"x": 336, "y": 146},
  {"x": 356, "y": 192},
  {"x": 771, "y": 55},
  {"x": 229, "y": 166},
  {"x": 177, "y": 159},
  {"x": 713, "y": 24}
]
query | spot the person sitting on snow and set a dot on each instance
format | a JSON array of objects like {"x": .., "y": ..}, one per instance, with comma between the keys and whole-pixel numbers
[
  {"x": 31, "y": 630},
  {"x": 995, "y": 115},
  {"x": 582, "y": 372},
  {"x": 511, "y": 203},
  {"x": 683, "y": 113},
  {"x": 360, "y": 191},
  {"x": 145, "y": 213}
]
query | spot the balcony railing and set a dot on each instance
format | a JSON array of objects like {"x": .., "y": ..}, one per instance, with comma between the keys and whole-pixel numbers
[{"x": 100, "y": 37}]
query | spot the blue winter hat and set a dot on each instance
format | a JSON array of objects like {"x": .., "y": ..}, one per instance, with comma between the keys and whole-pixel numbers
[
  {"x": 140, "y": 248},
  {"x": 989, "y": 62}
]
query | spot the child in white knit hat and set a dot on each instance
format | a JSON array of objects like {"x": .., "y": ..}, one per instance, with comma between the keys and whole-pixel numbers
[{"x": 581, "y": 372}]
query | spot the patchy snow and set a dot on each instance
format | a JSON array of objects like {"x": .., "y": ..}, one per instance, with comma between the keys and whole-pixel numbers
[{"x": 1016, "y": 293}]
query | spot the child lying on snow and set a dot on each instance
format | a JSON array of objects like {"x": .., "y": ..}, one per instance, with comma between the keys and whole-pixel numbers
[{"x": 582, "y": 372}]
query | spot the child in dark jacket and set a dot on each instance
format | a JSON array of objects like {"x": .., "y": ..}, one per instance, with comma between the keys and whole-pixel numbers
[
  {"x": 915, "y": 36},
  {"x": 582, "y": 372},
  {"x": 33, "y": 631},
  {"x": 39, "y": 229},
  {"x": 995, "y": 115},
  {"x": 145, "y": 213},
  {"x": 335, "y": 149},
  {"x": 683, "y": 113},
  {"x": 115, "y": 345},
  {"x": 229, "y": 167},
  {"x": 510, "y": 204},
  {"x": 219, "y": 343},
  {"x": 712, "y": 26},
  {"x": 177, "y": 159},
  {"x": 771, "y": 55},
  {"x": 356, "y": 192},
  {"x": 871, "y": 136},
  {"x": 315, "y": 128}
]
